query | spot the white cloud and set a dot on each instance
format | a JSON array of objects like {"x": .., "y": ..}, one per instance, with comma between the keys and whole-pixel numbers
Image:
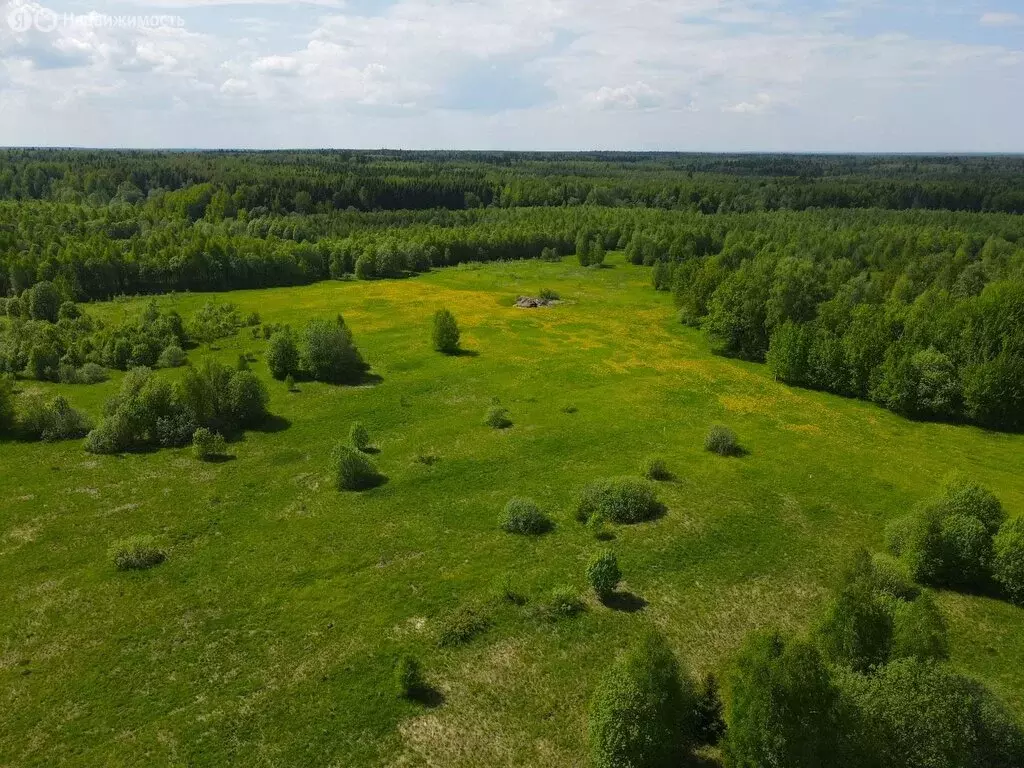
[
  {"x": 639, "y": 95},
  {"x": 761, "y": 103},
  {"x": 994, "y": 19}
]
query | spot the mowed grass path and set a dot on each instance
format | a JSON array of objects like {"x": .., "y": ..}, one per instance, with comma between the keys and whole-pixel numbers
[{"x": 268, "y": 637}]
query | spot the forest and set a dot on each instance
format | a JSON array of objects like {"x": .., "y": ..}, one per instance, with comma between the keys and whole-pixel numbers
[{"x": 462, "y": 458}]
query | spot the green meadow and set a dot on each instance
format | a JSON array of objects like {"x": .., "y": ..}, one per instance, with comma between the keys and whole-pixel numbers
[{"x": 270, "y": 634}]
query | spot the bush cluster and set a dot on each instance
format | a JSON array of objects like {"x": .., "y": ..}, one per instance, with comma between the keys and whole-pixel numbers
[
  {"x": 137, "y": 553},
  {"x": 50, "y": 419},
  {"x": 620, "y": 500},
  {"x": 207, "y": 444},
  {"x": 325, "y": 352},
  {"x": 463, "y": 624}
]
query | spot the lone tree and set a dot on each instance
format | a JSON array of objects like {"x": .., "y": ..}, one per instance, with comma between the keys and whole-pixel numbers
[{"x": 446, "y": 332}]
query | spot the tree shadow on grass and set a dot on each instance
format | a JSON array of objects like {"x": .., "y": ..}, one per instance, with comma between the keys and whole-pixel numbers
[
  {"x": 273, "y": 424},
  {"x": 463, "y": 353},
  {"x": 626, "y": 602},
  {"x": 368, "y": 379},
  {"x": 428, "y": 696},
  {"x": 221, "y": 459}
]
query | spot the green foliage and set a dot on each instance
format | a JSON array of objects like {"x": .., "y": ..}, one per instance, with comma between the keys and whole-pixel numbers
[
  {"x": 1008, "y": 559},
  {"x": 497, "y": 417},
  {"x": 919, "y": 714},
  {"x": 247, "y": 399},
  {"x": 603, "y": 574},
  {"x": 44, "y": 302},
  {"x": 137, "y": 553},
  {"x": 782, "y": 707},
  {"x": 8, "y": 412},
  {"x": 359, "y": 437},
  {"x": 463, "y": 624},
  {"x": 919, "y": 630},
  {"x": 354, "y": 471},
  {"x": 619, "y": 499},
  {"x": 655, "y": 469},
  {"x": 522, "y": 516},
  {"x": 445, "y": 332},
  {"x": 330, "y": 355},
  {"x": 856, "y": 629},
  {"x": 642, "y": 712},
  {"x": 207, "y": 445},
  {"x": 709, "y": 711},
  {"x": 50, "y": 419},
  {"x": 173, "y": 356},
  {"x": 215, "y": 321},
  {"x": 283, "y": 354},
  {"x": 547, "y": 294},
  {"x": 723, "y": 441},
  {"x": 409, "y": 682},
  {"x": 963, "y": 497},
  {"x": 289, "y": 383}
]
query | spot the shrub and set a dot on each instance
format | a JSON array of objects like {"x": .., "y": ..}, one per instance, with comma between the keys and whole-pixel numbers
[
  {"x": 604, "y": 575},
  {"x": 463, "y": 624},
  {"x": 282, "y": 354},
  {"x": 446, "y": 332},
  {"x": 359, "y": 437},
  {"x": 1008, "y": 559},
  {"x": 890, "y": 577},
  {"x": 247, "y": 399},
  {"x": 7, "y": 408},
  {"x": 642, "y": 712},
  {"x": 289, "y": 383},
  {"x": 409, "y": 682},
  {"x": 898, "y": 534},
  {"x": 43, "y": 301},
  {"x": 173, "y": 356},
  {"x": 920, "y": 714},
  {"x": 962, "y": 497},
  {"x": 966, "y": 551},
  {"x": 565, "y": 603},
  {"x": 497, "y": 417},
  {"x": 207, "y": 445},
  {"x": 91, "y": 373},
  {"x": 782, "y": 708},
  {"x": 330, "y": 355},
  {"x": 524, "y": 517},
  {"x": 856, "y": 629},
  {"x": 709, "y": 711},
  {"x": 655, "y": 469},
  {"x": 723, "y": 441},
  {"x": 51, "y": 420},
  {"x": 548, "y": 295},
  {"x": 919, "y": 631},
  {"x": 620, "y": 499},
  {"x": 353, "y": 470},
  {"x": 136, "y": 554}
]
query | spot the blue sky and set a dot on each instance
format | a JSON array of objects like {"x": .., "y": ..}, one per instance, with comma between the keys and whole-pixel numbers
[{"x": 702, "y": 75}]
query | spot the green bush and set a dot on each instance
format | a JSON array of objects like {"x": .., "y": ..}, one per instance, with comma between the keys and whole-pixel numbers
[
  {"x": 8, "y": 411},
  {"x": 91, "y": 373},
  {"x": 920, "y": 714},
  {"x": 891, "y": 577},
  {"x": 963, "y": 497},
  {"x": 565, "y": 603},
  {"x": 783, "y": 708},
  {"x": 330, "y": 355},
  {"x": 620, "y": 500},
  {"x": 548, "y": 295},
  {"x": 966, "y": 551},
  {"x": 359, "y": 437},
  {"x": 173, "y": 356},
  {"x": 856, "y": 629},
  {"x": 283, "y": 354},
  {"x": 723, "y": 441},
  {"x": 409, "y": 683},
  {"x": 289, "y": 383},
  {"x": 136, "y": 553},
  {"x": 603, "y": 574},
  {"x": 709, "y": 712},
  {"x": 353, "y": 470},
  {"x": 51, "y": 420},
  {"x": 207, "y": 445},
  {"x": 497, "y": 418},
  {"x": 446, "y": 332},
  {"x": 524, "y": 517},
  {"x": 247, "y": 399},
  {"x": 655, "y": 469},
  {"x": 919, "y": 631},
  {"x": 898, "y": 534},
  {"x": 642, "y": 712},
  {"x": 1008, "y": 559},
  {"x": 463, "y": 624}
]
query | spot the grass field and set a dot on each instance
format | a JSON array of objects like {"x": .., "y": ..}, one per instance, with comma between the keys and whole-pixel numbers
[{"x": 269, "y": 635}]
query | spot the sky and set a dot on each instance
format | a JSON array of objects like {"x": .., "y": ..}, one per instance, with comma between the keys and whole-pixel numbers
[{"x": 689, "y": 75}]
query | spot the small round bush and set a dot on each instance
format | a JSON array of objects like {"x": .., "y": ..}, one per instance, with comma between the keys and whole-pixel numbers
[
  {"x": 524, "y": 517},
  {"x": 207, "y": 444},
  {"x": 565, "y": 603},
  {"x": 722, "y": 440},
  {"x": 497, "y": 417},
  {"x": 92, "y": 373},
  {"x": 136, "y": 554},
  {"x": 620, "y": 500},
  {"x": 289, "y": 383},
  {"x": 1008, "y": 559},
  {"x": 173, "y": 356},
  {"x": 549, "y": 295},
  {"x": 463, "y": 624},
  {"x": 359, "y": 437},
  {"x": 604, "y": 575},
  {"x": 963, "y": 497},
  {"x": 446, "y": 332},
  {"x": 710, "y": 725},
  {"x": 353, "y": 470},
  {"x": 655, "y": 469},
  {"x": 890, "y": 577},
  {"x": 409, "y": 681}
]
